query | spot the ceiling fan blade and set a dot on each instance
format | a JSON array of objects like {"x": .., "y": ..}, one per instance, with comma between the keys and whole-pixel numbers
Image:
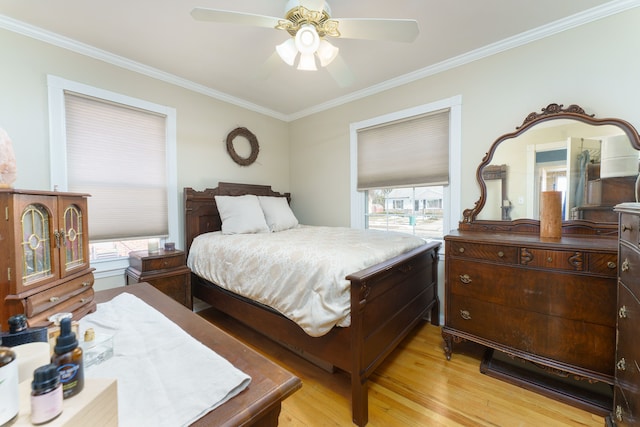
[
  {"x": 215, "y": 15},
  {"x": 340, "y": 71},
  {"x": 398, "y": 30}
]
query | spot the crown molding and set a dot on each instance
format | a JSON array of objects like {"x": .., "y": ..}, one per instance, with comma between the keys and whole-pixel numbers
[
  {"x": 547, "y": 30},
  {"x": 127, "y": 64},
  {"x": 521, "y": 39}
]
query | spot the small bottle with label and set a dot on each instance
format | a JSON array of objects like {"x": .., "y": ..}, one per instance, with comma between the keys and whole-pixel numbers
[
  {"x": 67, "y": 356},
  {"x": 9, "y": 394},
  {"x": 46, "y": 394}
]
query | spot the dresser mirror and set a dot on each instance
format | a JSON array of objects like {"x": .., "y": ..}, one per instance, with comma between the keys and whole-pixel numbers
[{"x": 592, "y": 161}]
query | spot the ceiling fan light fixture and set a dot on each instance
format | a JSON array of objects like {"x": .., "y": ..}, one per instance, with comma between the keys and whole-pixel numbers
[
  {"x": 307, "y": 39},
  {"x": 307, "y": 62},
  {"x": 326, "y": 52},
  {"x": 288, "y": 51}
]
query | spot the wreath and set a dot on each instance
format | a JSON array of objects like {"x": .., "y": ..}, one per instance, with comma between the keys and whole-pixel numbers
[{"x": 253, "y": 141}]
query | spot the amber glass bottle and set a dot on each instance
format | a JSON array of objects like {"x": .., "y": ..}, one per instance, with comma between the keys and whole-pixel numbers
[{"x": 67, "y": 356}]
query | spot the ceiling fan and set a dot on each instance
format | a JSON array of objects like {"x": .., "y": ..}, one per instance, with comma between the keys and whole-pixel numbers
[{"x": 309, "y": 24}]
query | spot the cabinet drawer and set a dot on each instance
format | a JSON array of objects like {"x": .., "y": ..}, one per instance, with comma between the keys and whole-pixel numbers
[
  {"x": 165, "y": 261},
  {"x": 497, "y": 253},
  {"x": 549, "y": 293},
  {"x": 629, "y": 224},
  {"x": 78, "y": 305},
  {"x": 51, "y": 297},
  {"x": 627, "y": 350},
  {"x": 626, "y": 406},
  {"x": 573, "y": 342}
]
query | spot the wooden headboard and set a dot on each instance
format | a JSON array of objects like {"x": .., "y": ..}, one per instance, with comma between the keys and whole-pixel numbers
[{"x": 201, "y": 212}]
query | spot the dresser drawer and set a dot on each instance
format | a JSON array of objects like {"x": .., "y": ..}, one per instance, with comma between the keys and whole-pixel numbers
[
  {"x": 605, "y": 264},
  {"x": 551, "y": 259},
  {"x": 626, "y": 406},
  {"x": 497, "y": 253},
  {"x": 552, "y": 337},
  {"x": 629, "y": 225},
  {"x": 48, "y": 299},
  {"x": 549, "y": 293},
  {"x": 628, "y": 350},
  {"x": 630, "y": 268}
]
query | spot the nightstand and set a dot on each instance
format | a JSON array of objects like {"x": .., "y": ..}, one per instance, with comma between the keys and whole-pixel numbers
[{"x": 165, "y": 270}]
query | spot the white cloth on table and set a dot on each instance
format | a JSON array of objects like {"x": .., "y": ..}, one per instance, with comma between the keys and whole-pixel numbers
[{"x": 165, "y": 376}]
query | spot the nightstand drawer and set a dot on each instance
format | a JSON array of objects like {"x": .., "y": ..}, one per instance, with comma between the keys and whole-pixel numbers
[{"x": 163, "y": 260}]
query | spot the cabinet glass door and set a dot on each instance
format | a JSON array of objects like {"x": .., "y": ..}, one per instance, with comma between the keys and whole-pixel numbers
[
  {"x": 36, "y": 243},
  {"x": 72, "y": 238}
]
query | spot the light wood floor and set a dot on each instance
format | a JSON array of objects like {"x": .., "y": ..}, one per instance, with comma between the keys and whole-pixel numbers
[{"x": 416, "y": 386}]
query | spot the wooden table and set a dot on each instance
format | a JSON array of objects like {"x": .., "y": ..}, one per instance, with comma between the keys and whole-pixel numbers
[{"x": 259, "y": 404}]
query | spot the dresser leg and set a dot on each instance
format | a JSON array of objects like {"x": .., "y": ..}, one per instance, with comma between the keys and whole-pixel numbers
[{"x": 448, "y": 344}]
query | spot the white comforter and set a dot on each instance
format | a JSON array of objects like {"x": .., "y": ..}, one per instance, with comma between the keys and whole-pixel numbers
[{"x": 300, "y": 272}]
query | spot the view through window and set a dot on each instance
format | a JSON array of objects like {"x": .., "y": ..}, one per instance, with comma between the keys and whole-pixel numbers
[{"x": 414, "y": 210}]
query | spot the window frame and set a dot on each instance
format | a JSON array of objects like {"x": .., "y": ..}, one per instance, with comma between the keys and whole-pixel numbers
[
  {"x": 451, "y": 192},
  {"x": 58, "y": 153}
]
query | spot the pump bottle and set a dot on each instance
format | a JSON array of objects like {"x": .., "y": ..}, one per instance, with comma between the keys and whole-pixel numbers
[{"x": 67, "y": 356}]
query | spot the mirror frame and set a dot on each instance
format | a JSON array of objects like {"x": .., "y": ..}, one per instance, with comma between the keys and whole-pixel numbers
[{"x": 524, "y": 225}]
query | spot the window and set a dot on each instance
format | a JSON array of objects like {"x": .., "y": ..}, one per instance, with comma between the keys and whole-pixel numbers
[
  {"x": 411, "y": 180},
  {"x": 121, "y": 150},
  {"x": 414, "y": 210}
]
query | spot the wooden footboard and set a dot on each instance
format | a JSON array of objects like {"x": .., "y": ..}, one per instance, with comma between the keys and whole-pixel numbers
[{"x": 387, "y": 301}]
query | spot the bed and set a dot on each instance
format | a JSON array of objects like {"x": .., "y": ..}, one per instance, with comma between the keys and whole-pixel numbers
[{"x": 387, "y": 300}]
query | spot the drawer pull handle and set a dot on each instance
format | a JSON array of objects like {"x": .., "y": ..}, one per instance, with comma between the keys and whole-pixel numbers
[
  {"x": 83, "y": 300},
  {"x": 622, "y": 313},
  {"x": 464, "y": 278},
  {"x": 611, "y": 265},
  {"x": 549, "y": 259},
  {"x": 501, "y": 254},
  {"x": 625, "y": 265},
  {"x": 465, "y": 314},
  {"x": 461, "y": 250},
  {"x": 54, "y": 299},
  {"x": 85, "y": 284},
  {"x": 621, "y": 365},
  {"x": 626, "y": 227},
  {"x": 619, "y": 412}
]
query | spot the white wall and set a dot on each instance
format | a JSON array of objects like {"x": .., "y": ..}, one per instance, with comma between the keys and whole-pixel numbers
[
  {"x": 202, "y": 122},
  {"x": 595, "y": 66}
]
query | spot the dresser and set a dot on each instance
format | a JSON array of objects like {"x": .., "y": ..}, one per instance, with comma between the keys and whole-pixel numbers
[
  {"x": 165, "y": 270},
  {"x": 626, "y": 397},
  {"x": 552, "y": 303},
  {"x": 44, "y": 266}
]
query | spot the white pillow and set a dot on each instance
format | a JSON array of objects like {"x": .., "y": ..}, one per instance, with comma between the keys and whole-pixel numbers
[
  {"x": 277, "y": 213},
  {"x": 241, "y": 214}
]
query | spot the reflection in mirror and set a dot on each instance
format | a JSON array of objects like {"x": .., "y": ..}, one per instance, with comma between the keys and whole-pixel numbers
[{"x": 564, "y": 155}]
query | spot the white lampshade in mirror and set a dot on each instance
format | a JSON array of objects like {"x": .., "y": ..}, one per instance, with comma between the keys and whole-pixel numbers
[
  {"x": 619, "y": 157},
  {"x": 307, "y": 39},
  {"x": 288, "y": 51},
  {"x": 326, "y": 52},
  {"x": 307, "y": 62}
]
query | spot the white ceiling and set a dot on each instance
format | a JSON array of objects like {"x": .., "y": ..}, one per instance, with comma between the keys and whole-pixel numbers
[{"x": 236, "y": 63}]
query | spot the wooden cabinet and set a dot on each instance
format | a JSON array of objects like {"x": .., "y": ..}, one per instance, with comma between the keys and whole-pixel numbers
[
  {"x": 626, "y": 396},
  {"x": 44, "y": 265},
  {"x": 552, "y": 303},
  {"x": 165, "y": 270}
]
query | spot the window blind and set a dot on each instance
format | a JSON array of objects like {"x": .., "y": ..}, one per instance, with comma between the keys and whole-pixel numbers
[
  {"x": 408, "y": 152},
  {"x": 117, "y": 154}
]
